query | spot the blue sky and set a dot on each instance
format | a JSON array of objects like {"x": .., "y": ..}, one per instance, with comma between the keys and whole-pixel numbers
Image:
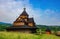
[
  {"x": 44, "y": 12},
  {"x": 44, "y": 4}
]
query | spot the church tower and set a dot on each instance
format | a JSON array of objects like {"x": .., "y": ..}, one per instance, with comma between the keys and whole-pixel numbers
[{"x": 24, "y": 19}]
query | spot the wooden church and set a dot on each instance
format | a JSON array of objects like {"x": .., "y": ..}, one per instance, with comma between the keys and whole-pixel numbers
[{"x": 23, "y": 24}]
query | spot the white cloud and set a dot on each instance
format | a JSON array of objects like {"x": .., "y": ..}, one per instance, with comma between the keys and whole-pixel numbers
[
  {"x": 50, "y": 17},
  {"x": 11, "y": 9}
]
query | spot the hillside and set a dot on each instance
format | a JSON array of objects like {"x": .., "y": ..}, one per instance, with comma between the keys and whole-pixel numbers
[{"x": 3, "y": 26}]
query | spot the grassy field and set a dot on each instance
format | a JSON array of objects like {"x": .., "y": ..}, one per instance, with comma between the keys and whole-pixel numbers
[{"x": 18, "y": 35}]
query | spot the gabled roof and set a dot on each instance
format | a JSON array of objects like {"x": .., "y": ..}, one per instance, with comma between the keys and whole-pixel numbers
[
  {"x": 31, "y": 20},
  {"x": 24, "y": 12}
]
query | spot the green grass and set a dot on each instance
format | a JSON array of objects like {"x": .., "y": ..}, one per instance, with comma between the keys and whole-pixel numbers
[{"x": 18, "y": 35}]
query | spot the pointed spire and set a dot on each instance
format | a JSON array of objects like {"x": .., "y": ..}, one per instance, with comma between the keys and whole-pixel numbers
[
  {"x": 24, "y": 12},
  {"x": 24, "y": 9}
]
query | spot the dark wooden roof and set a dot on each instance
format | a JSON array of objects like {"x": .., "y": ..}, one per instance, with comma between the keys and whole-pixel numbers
[
  {"x": 19, "y": 27},
  {"x": 31, "y": 20},
  {"x": 24, "y": 12}
]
